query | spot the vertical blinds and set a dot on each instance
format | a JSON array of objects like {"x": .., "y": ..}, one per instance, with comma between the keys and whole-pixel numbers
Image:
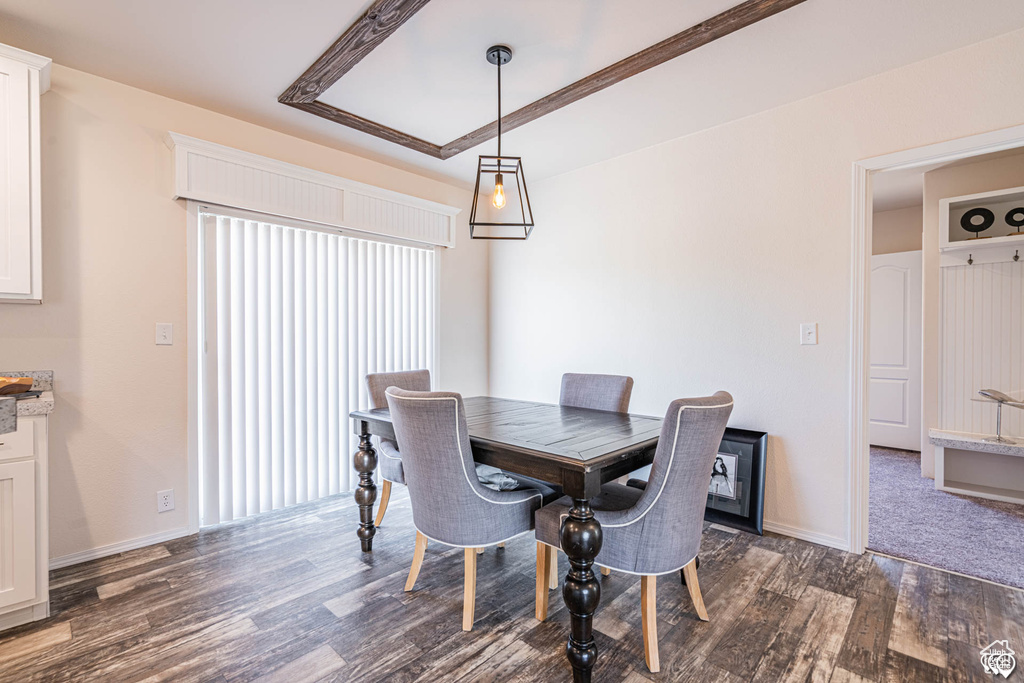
[{"x": 291, "y": 321}]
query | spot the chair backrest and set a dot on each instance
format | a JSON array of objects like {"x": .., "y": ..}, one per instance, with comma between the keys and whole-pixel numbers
[
  {"x": 449, "y": 504},
  {"x": 598, "y": 392},
  {"x": 377, "y": 384},
  {"x": 673, "y": 502}
]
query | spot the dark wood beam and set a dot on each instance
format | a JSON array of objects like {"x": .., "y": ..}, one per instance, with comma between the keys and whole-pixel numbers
[
  {"x": 378, "y": 22},
  {"x": 720, "y": 25},
  {"x": 345, "y": 118},
  {"x": 385, "y": 16}
]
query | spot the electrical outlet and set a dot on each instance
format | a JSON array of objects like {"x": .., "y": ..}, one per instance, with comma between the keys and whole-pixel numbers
[
  {"x": 165, "y": 500},
  {"x": 164, "y": 334},
  {"x": 809, "y": 333}
]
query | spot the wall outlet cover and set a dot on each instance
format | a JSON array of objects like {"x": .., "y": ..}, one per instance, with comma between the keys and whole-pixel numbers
[{"x": 165, "y": 500}]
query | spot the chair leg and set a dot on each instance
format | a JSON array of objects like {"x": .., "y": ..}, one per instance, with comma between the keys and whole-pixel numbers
[
  {"x": 553, "y": 568},
  {"x": 385, "y": 496},
  {"x": 417, "y": 561},
  {"x": 469, "y": 595},
  {"x": 605, "y": 571},
  {"x": 480, "y": 551},
  {"x": 502, "y": 544},
  {"x": 543, "y": 564},
  {"x": 690, "y": 572},
  {"x": 649, "y": 616}
]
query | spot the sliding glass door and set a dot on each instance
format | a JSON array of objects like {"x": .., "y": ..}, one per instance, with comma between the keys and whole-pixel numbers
[{"x": 291, "y": 319}]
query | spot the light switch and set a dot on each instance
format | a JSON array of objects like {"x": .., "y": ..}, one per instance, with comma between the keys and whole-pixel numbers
[
  {"x": 164, "y": 334},
  {"x": 809, "y": 333}
]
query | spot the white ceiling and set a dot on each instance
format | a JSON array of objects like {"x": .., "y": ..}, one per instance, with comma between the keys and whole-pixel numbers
[{"x": 430, "y": 78}]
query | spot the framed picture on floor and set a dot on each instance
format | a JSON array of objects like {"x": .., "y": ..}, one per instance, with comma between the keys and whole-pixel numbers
[{"x": 736, "y": 491}]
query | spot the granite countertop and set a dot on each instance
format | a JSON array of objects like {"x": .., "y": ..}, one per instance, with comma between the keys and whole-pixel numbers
[
  {"x": 11, "y": 408},
  {"x": 973, "y": 442}
]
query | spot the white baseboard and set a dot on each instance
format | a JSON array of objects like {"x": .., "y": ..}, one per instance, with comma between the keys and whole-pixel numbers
[
  {"x": 804, "y": 535},
  {"x": 116, "y": 548}
]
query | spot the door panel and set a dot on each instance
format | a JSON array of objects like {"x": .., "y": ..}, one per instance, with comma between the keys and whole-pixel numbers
[
  {"x": 17, "y": 532},
  {"x": 895, "y": 391}
]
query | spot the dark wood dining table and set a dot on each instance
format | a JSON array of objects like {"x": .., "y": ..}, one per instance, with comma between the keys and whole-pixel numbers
[{"x": 576, "y": 448}]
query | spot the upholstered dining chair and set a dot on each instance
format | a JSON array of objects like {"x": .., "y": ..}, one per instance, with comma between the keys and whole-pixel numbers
[
  {"x": 449, "y": 504},
  {"x": 596, "y": 392},
  {"x": 656, "y": 530},
  {"x": 390, "y": 463}
]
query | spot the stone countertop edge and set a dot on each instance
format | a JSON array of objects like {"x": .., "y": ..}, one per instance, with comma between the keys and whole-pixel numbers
[
  {"x": 972, "y": 442},
  {"x": 42, "y": 380},
  {"x": 36, "y": 406}
]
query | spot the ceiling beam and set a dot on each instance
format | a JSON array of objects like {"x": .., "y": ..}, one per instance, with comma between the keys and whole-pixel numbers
[
  {"x": 716, "y": 27},
  {"x": 378, "y": 22},
  {"x": 385, "y": 16},
  {"x": 332, "y": 113}
]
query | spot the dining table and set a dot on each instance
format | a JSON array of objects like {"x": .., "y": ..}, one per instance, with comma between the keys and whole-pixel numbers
[{"x": 578, "y": 449}]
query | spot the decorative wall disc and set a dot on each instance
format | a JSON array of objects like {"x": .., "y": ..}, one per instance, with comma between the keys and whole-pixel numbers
[
  {"x": 1015, "y": 217},
  {"x": 987, "y": 220}
]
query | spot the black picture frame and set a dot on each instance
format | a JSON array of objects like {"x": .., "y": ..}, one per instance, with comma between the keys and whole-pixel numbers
[{"x": 745, "y": 509}]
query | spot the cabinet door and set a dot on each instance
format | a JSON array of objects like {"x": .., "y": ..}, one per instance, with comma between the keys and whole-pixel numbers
[
  {"x": 15, "y": 179},
  {"x": 17, "y": 532}
]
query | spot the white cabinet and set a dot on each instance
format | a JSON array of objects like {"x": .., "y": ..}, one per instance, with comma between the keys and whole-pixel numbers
[
  {"x": 24, "y": 546},
  {"x": 24, "y": 77}
]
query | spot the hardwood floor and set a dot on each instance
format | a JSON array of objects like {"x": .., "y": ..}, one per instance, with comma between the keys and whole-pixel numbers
[{"x": 288, "y": 596}]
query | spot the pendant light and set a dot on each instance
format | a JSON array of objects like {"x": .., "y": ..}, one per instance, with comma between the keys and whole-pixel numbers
[{"x": 502, "y": 211}]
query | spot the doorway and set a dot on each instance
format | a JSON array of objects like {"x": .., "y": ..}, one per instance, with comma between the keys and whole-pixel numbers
[{"x": 901, "y": 363}]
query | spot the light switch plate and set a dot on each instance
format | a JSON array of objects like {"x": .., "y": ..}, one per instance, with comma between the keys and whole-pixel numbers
[
  {"x": 164, "y": 334},
  {"x": 809, "y": 333}
]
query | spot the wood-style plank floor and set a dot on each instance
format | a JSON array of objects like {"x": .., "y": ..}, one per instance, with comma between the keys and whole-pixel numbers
[{"x": 288, "y": 596}]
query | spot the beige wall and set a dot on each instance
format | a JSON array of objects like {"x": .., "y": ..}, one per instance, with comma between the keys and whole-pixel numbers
[
  {"x": 691, "y": 264},
  {"x": 114, "y": 264},
  {"x": 895, "y": 231},
  {"x": 998, "y": 173}
]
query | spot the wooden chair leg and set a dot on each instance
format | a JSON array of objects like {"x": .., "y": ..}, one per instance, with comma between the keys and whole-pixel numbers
[
  {"x": 417, "y": 561},
  {"x": 479, "y": 551},
  {"x": 553, "y": 568},
  {"x": 543, "y": 571},
  {"x": 385, "y": 496},
  {"x": 469, "y": 595},
  {"x": 649, "y": 616},
  {"x": 605, "y": 571},
  {"x": 690, "y": 572},
  {"x": 502, "y": 544}
]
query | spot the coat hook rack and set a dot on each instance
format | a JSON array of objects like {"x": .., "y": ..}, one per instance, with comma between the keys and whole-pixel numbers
[
  {"x": 1016, "y": 254},
  {"x": 970, "y": 259}
]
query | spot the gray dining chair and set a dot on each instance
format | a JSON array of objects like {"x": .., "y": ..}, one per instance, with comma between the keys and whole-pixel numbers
[
  {"x": 449, "y": 504},
  {"x": 390, "y": 462},
  {"x": 656, "y": 530},
  {"x": 596, "y": 392}
]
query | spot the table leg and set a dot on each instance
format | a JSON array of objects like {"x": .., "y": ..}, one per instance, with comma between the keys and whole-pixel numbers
[
  {"x": 365, "y": 462},
  {"x": 581, "y": 541}
]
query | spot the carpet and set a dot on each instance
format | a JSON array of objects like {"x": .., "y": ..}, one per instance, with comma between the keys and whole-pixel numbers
[{"x": 909, "y": 519}]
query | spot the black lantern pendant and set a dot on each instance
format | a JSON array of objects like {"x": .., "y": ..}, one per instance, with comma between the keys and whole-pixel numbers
[{"x": 504, "y": 213}]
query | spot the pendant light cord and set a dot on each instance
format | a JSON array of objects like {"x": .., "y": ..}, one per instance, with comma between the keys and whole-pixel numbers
[{"x": 499, "y": 113}]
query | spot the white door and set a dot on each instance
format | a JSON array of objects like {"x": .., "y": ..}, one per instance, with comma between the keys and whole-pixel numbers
[{"x": 895, "y": 408}]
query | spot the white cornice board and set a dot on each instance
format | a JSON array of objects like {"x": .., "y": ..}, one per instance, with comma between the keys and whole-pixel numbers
[{"x": 208, "y": 172}]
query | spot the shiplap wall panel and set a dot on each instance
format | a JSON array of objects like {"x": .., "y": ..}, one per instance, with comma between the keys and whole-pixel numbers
[
  {"x": 293, "y": 321},
  {"x": 982, "y": 345},
  {"x": 220, "y": 175}
]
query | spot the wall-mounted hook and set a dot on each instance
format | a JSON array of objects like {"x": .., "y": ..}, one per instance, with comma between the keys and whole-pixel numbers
[
  {"x": 970, "y": 259},
  {"x": 1016, "y": 254}
]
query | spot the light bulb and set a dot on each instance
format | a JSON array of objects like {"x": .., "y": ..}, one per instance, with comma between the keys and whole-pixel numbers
[{"x": 499, "y": 192}]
